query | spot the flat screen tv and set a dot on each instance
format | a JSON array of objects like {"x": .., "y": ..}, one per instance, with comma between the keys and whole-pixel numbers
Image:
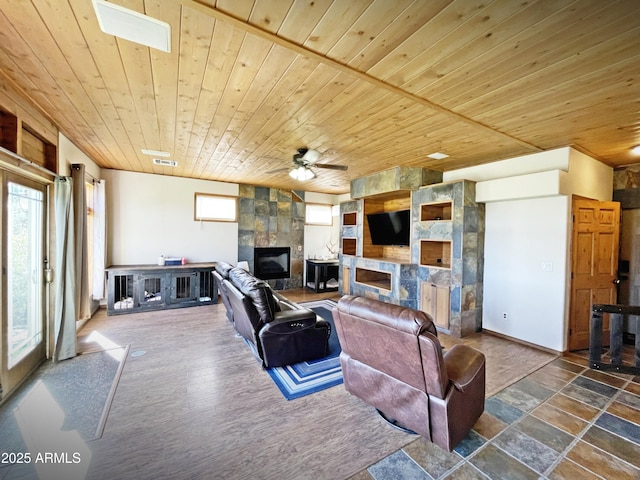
[{"x": 390, "y": 228}]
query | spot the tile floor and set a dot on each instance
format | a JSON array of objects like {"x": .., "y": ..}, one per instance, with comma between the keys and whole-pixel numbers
[{"x": 564, "y": 421}]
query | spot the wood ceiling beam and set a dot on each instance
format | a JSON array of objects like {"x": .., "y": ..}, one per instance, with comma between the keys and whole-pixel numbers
[{"x": 257, "y": 31}]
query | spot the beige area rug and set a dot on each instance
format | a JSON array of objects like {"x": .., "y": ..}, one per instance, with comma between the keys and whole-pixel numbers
[{"x": 62, "y": 400}]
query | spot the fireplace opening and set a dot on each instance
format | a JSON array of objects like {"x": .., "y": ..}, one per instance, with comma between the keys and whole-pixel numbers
[{"x": 272, "y": 262}]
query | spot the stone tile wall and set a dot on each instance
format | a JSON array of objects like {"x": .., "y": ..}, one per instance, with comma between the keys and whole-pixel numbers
[
  {"x": 272, "y": 217},
  {"x": 464, "y": 277},
  {"x": 466, "y": 233},
  {"x": 626, "y": 186}
]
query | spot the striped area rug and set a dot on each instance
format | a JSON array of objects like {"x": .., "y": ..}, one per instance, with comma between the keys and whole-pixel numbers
[{"x": 305, "y": 378}]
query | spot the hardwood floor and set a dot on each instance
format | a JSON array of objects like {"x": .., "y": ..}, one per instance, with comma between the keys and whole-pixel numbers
[{"x": 192, "y": 402}]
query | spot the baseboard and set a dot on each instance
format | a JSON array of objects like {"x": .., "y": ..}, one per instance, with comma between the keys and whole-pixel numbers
[{"x": 522, "y": 342}]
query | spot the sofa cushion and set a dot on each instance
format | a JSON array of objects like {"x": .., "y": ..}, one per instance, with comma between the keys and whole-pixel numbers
[
  {"x": 223, "y": 269},
  {"x": 257, "y": 290}
]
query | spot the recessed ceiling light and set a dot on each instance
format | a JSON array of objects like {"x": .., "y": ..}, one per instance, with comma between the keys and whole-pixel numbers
[
  {"x": 164, "y": 162},
  {"x": 437, "y": 155},
  {"x": 133, "y": 26},
  {"x": 636, "y": 150},
  {"x": 156, "y": 153}
]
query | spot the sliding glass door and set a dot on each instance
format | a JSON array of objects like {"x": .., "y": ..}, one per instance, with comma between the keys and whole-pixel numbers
[{"x": 23, "y": 227}]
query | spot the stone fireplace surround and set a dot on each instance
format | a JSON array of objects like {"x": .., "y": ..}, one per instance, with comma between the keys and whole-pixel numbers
[{"x": 272, "y": 217}]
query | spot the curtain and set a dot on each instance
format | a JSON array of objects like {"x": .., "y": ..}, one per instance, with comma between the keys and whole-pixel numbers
[
  {"x": 65, "y": 271},
  {"x": 83, "y": 299},
  {"x": 99, "y": 239}
]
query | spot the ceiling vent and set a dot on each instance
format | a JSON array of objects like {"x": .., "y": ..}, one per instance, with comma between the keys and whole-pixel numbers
[
  {"x": 133, "y": 26},
  {"x": 164, "y": 162}
]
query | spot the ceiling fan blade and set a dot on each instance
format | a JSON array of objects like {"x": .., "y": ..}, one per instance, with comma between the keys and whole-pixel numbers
[
  {"x": 330, "y": 167},
  {"x": 278, "y": 170}
]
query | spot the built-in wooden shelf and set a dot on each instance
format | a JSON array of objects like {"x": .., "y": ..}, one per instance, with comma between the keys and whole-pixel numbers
[
  {"x": 349, "y": 246},
  {"x": 9, "y": 131},
  {"x": 17, "y": 137},
  {"x": 374, "y": 278},
  {"x": 390, "y": 259},
  {"x": 435, "y": 253},
  {"x": 435, "y": 211},
  {"x": 389, "y": 202},
  {"x": 349, "y": 219},
  {"x": 37, "y": 149}
]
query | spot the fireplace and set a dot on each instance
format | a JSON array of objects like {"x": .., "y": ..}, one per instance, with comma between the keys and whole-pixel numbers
[{"x": 272, "y": 262}]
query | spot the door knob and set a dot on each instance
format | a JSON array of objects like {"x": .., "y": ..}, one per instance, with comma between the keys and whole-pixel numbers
[{"x": 616, "y": 281}]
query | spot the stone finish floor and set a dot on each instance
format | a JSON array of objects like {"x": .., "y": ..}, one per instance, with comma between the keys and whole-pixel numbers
[{"x": 564, "y": 421}]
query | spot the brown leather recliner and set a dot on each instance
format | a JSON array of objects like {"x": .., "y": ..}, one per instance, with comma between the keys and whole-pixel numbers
[{"x": 391, "y": 358}]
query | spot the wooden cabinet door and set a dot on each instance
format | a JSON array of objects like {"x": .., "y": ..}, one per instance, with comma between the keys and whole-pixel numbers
[
  {"x": 346, "y": 281},
  {"x": 435, "y": 300}
]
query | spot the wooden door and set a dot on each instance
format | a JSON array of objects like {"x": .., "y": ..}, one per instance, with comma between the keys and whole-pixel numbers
[
  {"x": 22, "y": 332},
  {"x": 594, "y": 265}
]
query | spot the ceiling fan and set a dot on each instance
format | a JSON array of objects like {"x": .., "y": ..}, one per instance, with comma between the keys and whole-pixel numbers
[{"x": 304, "y": 159}]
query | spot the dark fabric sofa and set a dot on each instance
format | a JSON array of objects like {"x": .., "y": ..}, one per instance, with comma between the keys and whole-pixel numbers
[{"x": 280, "y": 331}]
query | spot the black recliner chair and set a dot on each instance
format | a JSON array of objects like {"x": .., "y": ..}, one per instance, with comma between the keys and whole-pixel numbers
[
  {"x": 220, "y": 273},
  {"x": 280, "y": 336}
]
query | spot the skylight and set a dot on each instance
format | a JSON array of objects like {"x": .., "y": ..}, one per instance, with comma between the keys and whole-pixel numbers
[{"x": 133, "y": 26}]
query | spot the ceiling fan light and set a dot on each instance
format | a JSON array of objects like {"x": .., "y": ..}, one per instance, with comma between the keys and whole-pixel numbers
[
  {"x": 301, "y": 173},
  {"x": 636, "y": 150}
]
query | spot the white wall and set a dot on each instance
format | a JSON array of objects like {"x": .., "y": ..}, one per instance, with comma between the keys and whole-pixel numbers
[
  {"x": 317, "y": 237},
  {"x": 588, "y": 177},
  {"x": 527, "y": 239},
  {"x": 151, "y": 215},
  {"x": 525, "y": 269},
  {"x": 557, "y": 159},
  {"x": 68, "y": 154}
]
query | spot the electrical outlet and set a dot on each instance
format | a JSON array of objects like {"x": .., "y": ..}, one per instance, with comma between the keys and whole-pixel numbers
[{"x": 504, "y": 315}]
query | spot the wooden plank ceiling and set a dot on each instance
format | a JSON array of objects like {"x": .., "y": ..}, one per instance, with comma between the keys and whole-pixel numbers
[{"x": 368, "y": 83}]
